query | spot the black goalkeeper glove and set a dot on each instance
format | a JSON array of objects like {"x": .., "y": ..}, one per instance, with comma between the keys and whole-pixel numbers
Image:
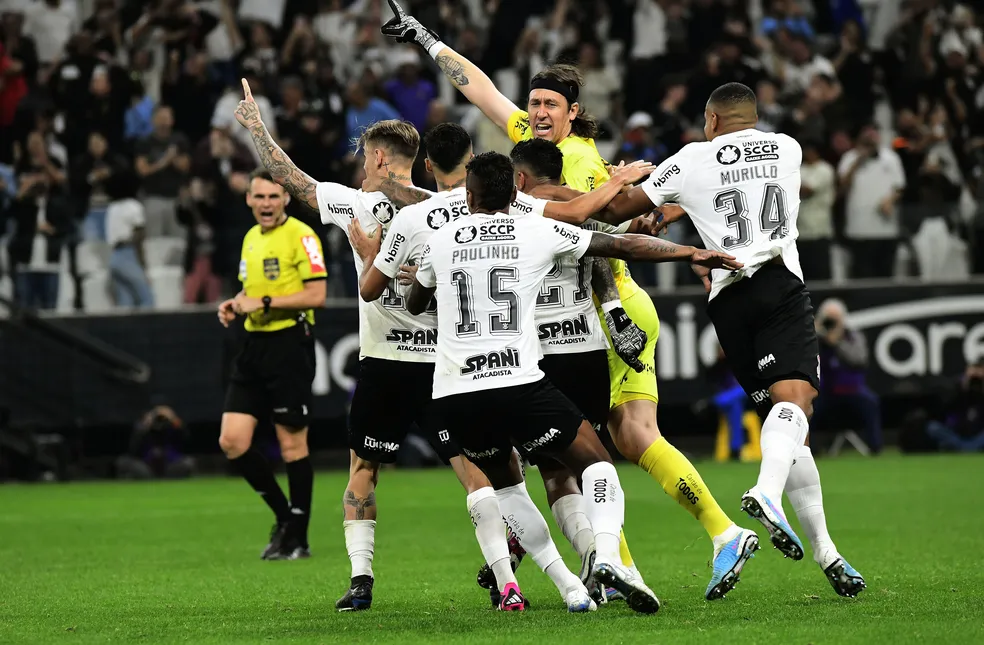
[
  {"x": 407, "y": 29},
  {"x": 628, "y": 340}
]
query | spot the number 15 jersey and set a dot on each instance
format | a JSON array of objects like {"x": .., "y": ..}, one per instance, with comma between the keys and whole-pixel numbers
[
  {"x": 742, "y": 192},
  {"x": 488, "y": 270}
]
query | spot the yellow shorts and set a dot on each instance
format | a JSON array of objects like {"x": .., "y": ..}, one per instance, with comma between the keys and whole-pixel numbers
[{"x": 626, "y": 383}]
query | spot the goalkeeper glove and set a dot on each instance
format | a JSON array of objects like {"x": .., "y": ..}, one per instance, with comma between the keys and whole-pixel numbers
[
  {"x": 407, "y": 29},
  {"x": 628, "y": 340}
]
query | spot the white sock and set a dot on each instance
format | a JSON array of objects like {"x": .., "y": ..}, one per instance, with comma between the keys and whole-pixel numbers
[
  {"x": 487, "y": 518},
  {"x": 569, "y": 513},
  {"x": 528, "y": 524},
  {"x": 783, "y": 432},
  {"x": 360, "y": 541},
  {"x": 605, "y": 509},
  {"x": 806, "y": 498}
]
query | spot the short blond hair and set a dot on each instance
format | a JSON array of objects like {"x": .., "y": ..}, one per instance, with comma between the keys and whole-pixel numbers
[{"x": 399, "y": 137}]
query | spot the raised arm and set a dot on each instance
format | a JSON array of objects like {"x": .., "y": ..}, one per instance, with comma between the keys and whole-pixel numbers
[
  {"x": 621, "y": 208},
  {"x": 651, "y": 249},
  {"x": 298, "y": 183},
  {"x": 463, "y": 74}
]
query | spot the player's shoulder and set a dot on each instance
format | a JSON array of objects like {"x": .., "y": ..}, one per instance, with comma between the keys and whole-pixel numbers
[
  {"x": 524, "y": 204},
  {"x": 377, "y": 205},
  {"x": 432, "y": 213},
  {"x": 294, "y": 225},
  {"x": 253, "y": 232}
]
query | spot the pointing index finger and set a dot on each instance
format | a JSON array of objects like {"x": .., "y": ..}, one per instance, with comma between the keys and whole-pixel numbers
[
  {"x": 246, "y": 91},
  {"x": 397, "y": 9}
]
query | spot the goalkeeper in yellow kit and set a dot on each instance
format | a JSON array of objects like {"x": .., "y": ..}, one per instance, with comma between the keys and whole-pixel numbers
[{"x": 554, "y": 114}]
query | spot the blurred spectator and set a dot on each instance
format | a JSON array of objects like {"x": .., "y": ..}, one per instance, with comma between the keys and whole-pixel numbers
[
  {"x": 771, "y": 113},
  {"x": 162, "y": 162},
  {"x": 602, "y": 85},
  {"x": 50, "y": 23},
  {"x": 787, "y": 15},
  {"x": 816, "y": 226},
  {"x": 410, "y": 94},
  {"x": 43, "y": 222},
  {"x": 223, "y": 114},
  {"x": 363, "y": 111},
  {"x": 13, "y": 88},
  {"x": 962, "y": 429},
  {"x": 157, "y": 448},
  {"x": 638, "y": 142},
  {"x": 192, "y": 93},
  {"x": 218, "y": 188},
  {"x": 856, "y": 72},
  {"x": 672, "y": 129},
  {"x": 845, "y": 402},
  {"x": 89, "y": 175},
  {"x": 138, "y": 122},
  {"x": 125, "y": 233},
  {"x": 872, "y": 180}
]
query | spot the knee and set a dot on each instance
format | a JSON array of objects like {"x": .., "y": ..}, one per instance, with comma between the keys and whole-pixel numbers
[
  {"x": 363, "y": 473},
  {"x": 293, "y": 445},
  {"x": 799, "y": 393},
  {"x": 234, "y": 444}
]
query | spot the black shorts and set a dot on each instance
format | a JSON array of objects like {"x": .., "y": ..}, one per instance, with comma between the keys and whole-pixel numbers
[
  {"x": 272, "y": 376},
  {"x": 765, "y": 327},
  {"x": 583, "y": 379},
  {"x": 391, "y": 396},
  {"x": 536, "y": 418}
]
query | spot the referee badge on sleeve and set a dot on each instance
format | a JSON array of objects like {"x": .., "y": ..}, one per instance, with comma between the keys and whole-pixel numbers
[{"x": 271, "y": 268}]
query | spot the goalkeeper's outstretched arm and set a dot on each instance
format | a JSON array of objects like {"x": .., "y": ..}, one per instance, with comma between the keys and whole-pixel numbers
[{"x": 463, "y": 74}]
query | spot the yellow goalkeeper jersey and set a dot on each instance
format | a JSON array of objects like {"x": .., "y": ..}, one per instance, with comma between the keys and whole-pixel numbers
[{"x": 584, "y": 170}]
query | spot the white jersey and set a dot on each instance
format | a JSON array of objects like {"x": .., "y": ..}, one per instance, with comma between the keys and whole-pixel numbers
[
  {"x": 404, "y": 244},
  {"x": 386, "y": 329},
  {"x": 566, "y": 319},
  {"x": 742, "y": 192},
  {"x": 488, "y": 270}
]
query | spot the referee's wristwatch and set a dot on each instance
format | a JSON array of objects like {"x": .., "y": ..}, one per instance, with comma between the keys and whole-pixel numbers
[{"x": 266, "y": 304}]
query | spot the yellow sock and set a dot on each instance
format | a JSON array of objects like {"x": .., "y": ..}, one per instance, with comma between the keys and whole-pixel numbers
[
  {"x": 682, "y": 482},
  {"x": 623, "y": 550}
]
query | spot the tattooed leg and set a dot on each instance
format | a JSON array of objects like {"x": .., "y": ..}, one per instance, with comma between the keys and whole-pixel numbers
[{"x": 359, "y": 501}]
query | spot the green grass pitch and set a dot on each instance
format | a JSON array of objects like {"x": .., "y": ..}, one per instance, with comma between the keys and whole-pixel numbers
[{"x": 179, "y": 563}]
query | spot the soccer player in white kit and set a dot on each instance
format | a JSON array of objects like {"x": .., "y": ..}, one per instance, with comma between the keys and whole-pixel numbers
[
  {"x": 487, "y": 270},
  {"x": 741, "y": 190},
  {"x": 448, "y": 150},
  {"x": 393, "y": 349}
]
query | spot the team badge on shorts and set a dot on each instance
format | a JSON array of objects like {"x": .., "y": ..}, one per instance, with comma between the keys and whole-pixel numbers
[{"x": 271, "y": 268}]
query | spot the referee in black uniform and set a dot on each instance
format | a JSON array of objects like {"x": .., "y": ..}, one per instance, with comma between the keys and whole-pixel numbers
[{"x": 283, "y": 272}]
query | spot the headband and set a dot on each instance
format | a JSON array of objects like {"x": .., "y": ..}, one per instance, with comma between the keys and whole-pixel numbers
[{"x": 569, "y": 92}]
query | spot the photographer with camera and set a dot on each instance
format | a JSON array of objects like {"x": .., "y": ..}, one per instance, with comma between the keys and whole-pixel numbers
[
  {"x": 845, "y": 400},
  {"x": 156, "y": 448},
  {"x": 963, "y": 428}
]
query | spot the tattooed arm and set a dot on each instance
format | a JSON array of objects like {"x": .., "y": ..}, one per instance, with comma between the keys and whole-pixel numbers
[
  {"x": 476, "y": 86},
  {"x": 603, "y": 280},
  {"x": 298, "y": 183},
  {"x": 651, "y": 249}
]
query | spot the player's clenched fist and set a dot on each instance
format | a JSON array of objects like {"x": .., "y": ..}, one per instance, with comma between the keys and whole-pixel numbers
[
  {"x": 407, "y": 29},
  {"x": 715, "y": 260},
  {"x": 248, "y": 112}
]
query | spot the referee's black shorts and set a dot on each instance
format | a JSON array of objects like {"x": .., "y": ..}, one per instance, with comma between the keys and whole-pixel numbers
[
  {"x": 390, "y": 397},
  {"x": 272, "y": 376},
  {"x": 765, "y": 326}
]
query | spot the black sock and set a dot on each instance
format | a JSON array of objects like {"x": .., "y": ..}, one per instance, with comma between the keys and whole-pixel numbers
[
  {"x": 300, "y": 479},
  {"x": 257, "y": 471}
]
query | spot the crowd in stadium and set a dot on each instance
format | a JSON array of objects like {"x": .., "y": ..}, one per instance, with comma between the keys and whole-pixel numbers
[{"x": 122, "y": 170}]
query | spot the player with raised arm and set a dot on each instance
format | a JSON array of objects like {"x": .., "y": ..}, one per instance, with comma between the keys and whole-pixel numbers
[
  {"x": 572, "y": 341},
  {"x": 396, "y": 356},
  {"x": 741, "y": 190},
  {"x": 553, "y": 113},
  {"x": 448, "y": 150},
  {"x": 487, "y": 270}
]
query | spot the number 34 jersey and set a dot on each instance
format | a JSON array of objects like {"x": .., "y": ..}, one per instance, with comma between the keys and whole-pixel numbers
[
  {"x": 488, "y": 270},
  {"x": 742, "y": 192}
]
